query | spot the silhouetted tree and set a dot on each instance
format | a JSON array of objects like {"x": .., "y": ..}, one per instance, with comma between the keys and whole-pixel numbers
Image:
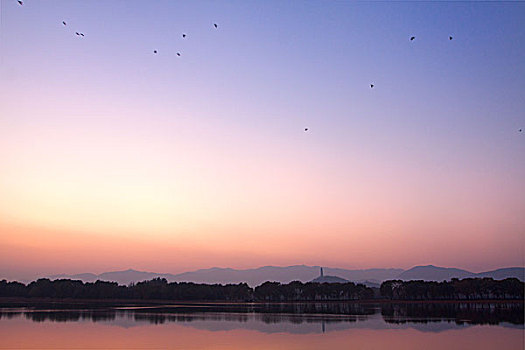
[
  {"x": 465, "y": 289},
  {"x": 159, "y": 288}
]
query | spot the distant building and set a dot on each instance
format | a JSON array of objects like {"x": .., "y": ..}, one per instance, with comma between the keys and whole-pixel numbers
[{"x": 328, "y": 279}]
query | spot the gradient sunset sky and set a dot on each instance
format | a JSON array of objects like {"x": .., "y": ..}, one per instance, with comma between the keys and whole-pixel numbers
[{"x": 113, "y": 157}]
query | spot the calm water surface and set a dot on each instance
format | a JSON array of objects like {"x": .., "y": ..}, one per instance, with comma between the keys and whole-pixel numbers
[{"x": 255, "y": 326}]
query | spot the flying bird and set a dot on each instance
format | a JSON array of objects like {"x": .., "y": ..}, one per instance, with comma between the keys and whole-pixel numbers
[
  {"x": 215, "y": 25},
  {"x": 77, "y": 33},
  {"x": 412, "y": 38},
  {"x": 82, "y": 34},
  {"x": 450, "y": 38},
  {"x": 305, "y": 129},
  {"x": 371, "y": 86},
  {"x": 520, "y": 130},
  {"x": 183, "y": 35},
  {"x": 64, "y": 23},
  {"x": 154, "y": 51},
  {"x": 178, "y": 54},
  {"x": 20, "y": 2}
]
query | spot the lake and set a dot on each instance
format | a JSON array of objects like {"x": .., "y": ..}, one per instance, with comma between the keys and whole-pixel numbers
[{"x": 262, "y": 326}]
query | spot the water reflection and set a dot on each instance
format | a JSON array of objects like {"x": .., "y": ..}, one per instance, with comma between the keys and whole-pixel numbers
[
  {"x": 461, "y": 313},
  {"x": 253, "y": 326},
  {"x": 291, "y": 318}
]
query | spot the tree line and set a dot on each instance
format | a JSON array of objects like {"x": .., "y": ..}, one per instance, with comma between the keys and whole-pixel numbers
[
  {"x": 161, "y": 289},
  {"x": 157, "y": 288},
  {"x": 455, "y": 289},
  {"x": 311, "y": 291}
]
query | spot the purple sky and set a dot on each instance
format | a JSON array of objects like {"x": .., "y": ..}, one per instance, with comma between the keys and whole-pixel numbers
[{"x": 168, "y": 163}]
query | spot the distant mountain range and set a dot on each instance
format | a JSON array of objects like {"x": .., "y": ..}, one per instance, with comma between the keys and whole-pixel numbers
[
  {"x": 303, "y": 273},
  {"x": 435, "y": 273}
]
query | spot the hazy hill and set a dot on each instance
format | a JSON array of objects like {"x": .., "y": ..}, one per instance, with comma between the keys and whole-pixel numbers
[
  {"x": 253, "y": 277},
  {"x": 435, "y": 273},
  {"x": 86, "y": 277},
  {"x": 369, "y": 275},
  {"x": 303, "y": 273},
  {"x": 287, "y": 274},
  {"x": 121, "y": 277},
  {"x": 499, "y": 274}
]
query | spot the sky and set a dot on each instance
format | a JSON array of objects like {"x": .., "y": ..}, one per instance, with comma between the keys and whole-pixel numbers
[{"x": 114, "y": 157}]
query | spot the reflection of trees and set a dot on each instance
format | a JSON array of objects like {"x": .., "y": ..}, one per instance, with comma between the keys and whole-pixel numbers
[
  {"x": 163, "y": 318},
  {"x": 300, "y": 319},
  {"x": 470, "y": 313},
  {"x": 151, "y": 318},
  {"x": 9, "y": 314},
  {"x": 317, "y": 308},
  {"x": 67, "y": 316}
]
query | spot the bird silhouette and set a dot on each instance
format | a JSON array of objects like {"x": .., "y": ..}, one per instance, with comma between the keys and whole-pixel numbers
[
  {"x": 154, "y": 51},
  {"x": 77, "y": 33},
  {"x": 305, "y": 129},
  {"x": 82, "y": 34},
  {"x": 412, "y": 38},
  {"x": 20, "y": 2},
  {"x": 371, "y": 86},
  {"x": 178, "y": 54},
  {"x": 64, "y": 23},
  {"x": 183, "y": 35},
  {"x": 520, "y": 130},
  {"x": 215, "y": 25},
  {"x": 450, "y": 38}
]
